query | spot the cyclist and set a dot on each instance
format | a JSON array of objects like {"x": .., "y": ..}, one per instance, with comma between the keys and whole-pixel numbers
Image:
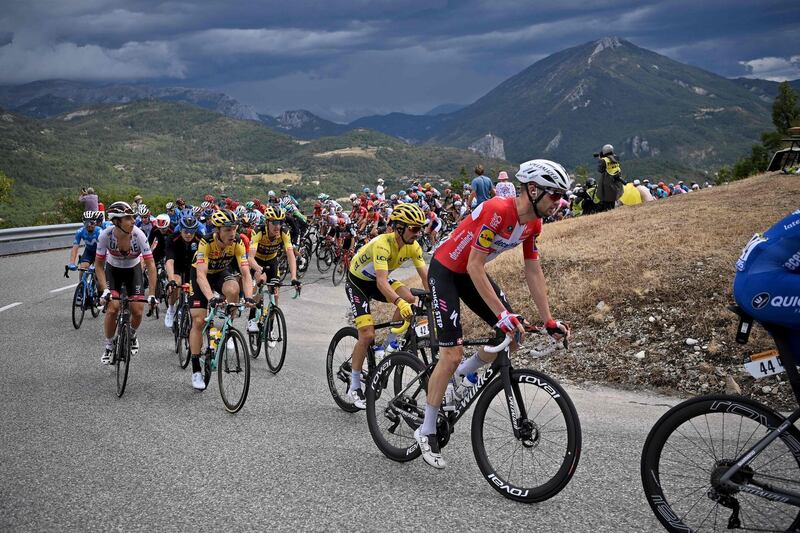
[
  {"x": 767, "y": 282},
  {"x": 121, "y": 249},
  {"x": 214, "y": 271},
  {"x": 143, "y": 221},
  {"x": 89, "y": 234},
  {"x": 180, "y": 250},
  {"x": 267, "y": 243},
  {"x": 174, "y": 214},
  {"x": 368, "y": 279},
  {"x": 457, "y": 272}
]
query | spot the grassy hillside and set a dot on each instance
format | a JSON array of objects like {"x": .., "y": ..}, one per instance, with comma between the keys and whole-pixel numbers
[
  {"x": 672, "y": 260},
  {"x": 160, "y": 147}
]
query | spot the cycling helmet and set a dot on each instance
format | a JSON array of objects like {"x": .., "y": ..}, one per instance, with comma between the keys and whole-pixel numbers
[
  {"x": 365, "y": 190},
  {"x": 413, "y": 196},
  {"x": 544, "y": 173},
  {"x": 239, "y": 211},
  {"x": 353, "y": 197},
  {"x": 170, "y": 206},
  {"x": 92, "y": 216},
  {"x": 607, "y": 149},
  {"x": 119, "y": 210},
  {"x": 414, "y": 188},
  {"x": 393, "y": 197},
  {"x": 179, "y": 202},
  {"x": 272, "y": 213},
  {"x": 161, "y": 221},
  {"x": 144, "y": 211},
  {"x": 429, "y": 194},
  {"x": 208, "y": 198},
  {"x": 426, "y": 186},
  {"x": 197, "y": 210},
  {"x": 409, "y": 214},
  {"x": 189, "y": 223},
  {"x": 250, "y": 205},
  {"x": 456, "y": 197},
  {"x": 457, "y": 203},
  {"x": 271, "y": 194},
  {"x": 447, "y": 192},
  {"x": 356, "y": 203},
  {"x": 590, "y": 182},
  {"x": 223, "y": 218},
  {"x": 402, "y": 193},
  {"x": 206, "y": 205}
]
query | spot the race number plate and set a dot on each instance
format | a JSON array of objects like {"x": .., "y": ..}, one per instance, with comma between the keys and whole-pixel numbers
[
  {"x": 422, "y": 328},
  {"x": 764, "y": 364}
]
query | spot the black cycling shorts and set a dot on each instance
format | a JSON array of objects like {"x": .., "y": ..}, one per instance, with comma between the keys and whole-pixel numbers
[
  {"x": 131, "y": 279},
  {"x": 270, "y": 266},
  {"x": 360, "y": 292},
  {"x": 448, "y": 288},
  {"x": 197, "y": 299}
]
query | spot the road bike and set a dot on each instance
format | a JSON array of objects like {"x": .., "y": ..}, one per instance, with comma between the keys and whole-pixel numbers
[
  {"x": 121, "y": 352},
  {"x": 526, "y": 434},
  {"x": 271, "y": 332},
  {"x": 162, "y": 284},
  {"x": 344, "y": 256},
  {"x": 182, "y": 324},
  {"x": 723, "y": 461},
  {"x": 85, "y": 297},
  {"x": 231, "y": 363}
]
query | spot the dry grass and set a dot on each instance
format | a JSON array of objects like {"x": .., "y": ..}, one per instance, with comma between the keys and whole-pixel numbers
[
  {"x": 352, "y": 151},
  {"x": 672, "y": 260},
  {"x": 272, "y": 178}
]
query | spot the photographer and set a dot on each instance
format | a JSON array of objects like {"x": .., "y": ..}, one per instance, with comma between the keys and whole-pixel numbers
[
  {"x": 89, "y": 199},
  {"x": 610, "y": 187}
]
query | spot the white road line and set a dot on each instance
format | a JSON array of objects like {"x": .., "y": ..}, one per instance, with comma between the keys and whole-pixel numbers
[
  {"x": 9, "y": 306},
  {"x": 65, "y": 288}
]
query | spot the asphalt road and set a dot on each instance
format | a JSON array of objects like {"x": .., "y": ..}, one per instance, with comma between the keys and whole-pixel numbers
[{"x": 75, "y": 457}]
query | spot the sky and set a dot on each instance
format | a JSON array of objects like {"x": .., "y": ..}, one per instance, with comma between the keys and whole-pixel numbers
[{"x": 348, "y": 58}]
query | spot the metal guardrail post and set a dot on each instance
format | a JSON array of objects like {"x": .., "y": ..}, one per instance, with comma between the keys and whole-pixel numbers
[{"x": 37, "y": 238}]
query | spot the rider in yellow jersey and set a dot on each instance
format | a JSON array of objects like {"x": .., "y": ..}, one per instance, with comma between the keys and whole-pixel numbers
[
  {"x": 213, "y": 270},
  {"x": 368, "y": 278},
  {"x": 265, "y": 247}
]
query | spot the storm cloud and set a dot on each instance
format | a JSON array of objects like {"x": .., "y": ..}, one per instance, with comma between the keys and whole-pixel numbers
[{"x": 347, "y": 58}]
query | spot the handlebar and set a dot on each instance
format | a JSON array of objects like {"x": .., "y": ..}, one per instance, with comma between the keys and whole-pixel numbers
[
  {"x": 500, "y": 347},
  {"x": 402, "y": 329}
]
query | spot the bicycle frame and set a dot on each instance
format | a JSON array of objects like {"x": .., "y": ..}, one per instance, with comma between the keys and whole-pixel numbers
[{"x": 228, "y": 322}]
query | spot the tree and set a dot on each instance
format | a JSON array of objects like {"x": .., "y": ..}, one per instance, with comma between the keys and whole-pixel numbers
[
  {"x": 581, "y": 173},
  {"x": 742, "y": 168},
  {"x": 785, "y": 111},
  {"x": 759, "y": 158},
  {"x": 724, "y": 175},
  {"x": 6, "y": 185}
]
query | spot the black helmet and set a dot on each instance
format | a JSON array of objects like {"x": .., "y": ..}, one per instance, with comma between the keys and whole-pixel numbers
[{"x": 590, "y": 182}]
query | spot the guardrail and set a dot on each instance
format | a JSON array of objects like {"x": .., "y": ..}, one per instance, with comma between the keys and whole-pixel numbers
[{"x": 37, "y": 238}]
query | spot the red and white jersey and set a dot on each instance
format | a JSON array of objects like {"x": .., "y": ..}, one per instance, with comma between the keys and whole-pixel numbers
[
  {"x": 108, "y": 248},
  {"x": 492, "y": 228}
]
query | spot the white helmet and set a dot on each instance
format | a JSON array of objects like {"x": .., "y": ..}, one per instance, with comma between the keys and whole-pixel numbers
[
  {"x": 544, "y": 173},
  {"x": 607, "y": 150},
  {"x": 353, "y": 197},
  {"x": 380, "y": 180}
]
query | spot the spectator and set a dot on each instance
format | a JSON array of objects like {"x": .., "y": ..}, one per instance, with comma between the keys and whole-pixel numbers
[
  {"x": 137, "y": 201},
  {"x": 482, "y": 188},
  {"x": 379, "y": 190},
  {"x": 643, "y": 191},
  {"x": 683, "y": 186},
  {"x": 695, "y": 186},
  {"x": 505, "y": 187},
  {"x": 611, "y": 184},
  {"x": 676, "y": 189},
  {"x": 89, "y": 199}
]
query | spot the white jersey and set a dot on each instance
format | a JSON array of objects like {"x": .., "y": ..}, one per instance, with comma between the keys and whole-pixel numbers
[
  {"x": 379, "y": 192},
  {"x": 108, "y": 249},
  {"x": 506, "y": 189}
]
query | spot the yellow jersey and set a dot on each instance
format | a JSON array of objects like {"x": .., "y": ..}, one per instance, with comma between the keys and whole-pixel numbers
[
  {"x": 382, "y": 253},
  {"x": 211, "y": 251},
  {"x": 265, "y": 248}
]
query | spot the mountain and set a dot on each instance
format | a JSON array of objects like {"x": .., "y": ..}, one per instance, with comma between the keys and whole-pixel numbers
[
  {"x": 303, "y": 124},
  {"x": 444, "y": 109},
  {"x": 412, "y": 128},
  {"x": 165, "y": 148},
  {"x": 765, "y": 90},
  {"x": 661, "y": 115},
  {"x": 43, "y": 99}
]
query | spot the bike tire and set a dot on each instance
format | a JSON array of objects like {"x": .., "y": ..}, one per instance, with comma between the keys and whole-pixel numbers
[
  {"x": 182, "y": 340},
  {"x": 275, "y": 355},
  {"x": 324, "y": 259},
  {"x": 78, "y": 309},
  {"x": 283, "y": 267},
  {"x": 123, "y": 359},
  {"x": 233, "y": 372},
  {"x": 95, "y": 306},
  {"x": 543, "y": 398},
  {"x": 744, "y": 417},
  {"x": 338, "y": 366},
  {"x": 255, "y": 340},
  {"x": 339, "y": 271},
  {"x": 392, "y": 420}
]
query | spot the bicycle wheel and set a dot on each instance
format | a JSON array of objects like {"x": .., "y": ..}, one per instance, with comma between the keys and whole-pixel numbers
[
  {"x": 690, "y": 447},
  {"x": 338, "y": 366},
  {"x": 233, "y": 372},
  {"x": 123, "y": 358},
  {"x": 324, "y": 258},
  {"x": 182, "y": 339},
  {"x": 339, "y": 271},
  {"x": 94, "y": 298},
  {"x": 393, "y": 415},
  {"x": 275, "y": 345},
  {"x": 78, "y": 308},
  {"x": 283, "y": 267},
  {"x": 538, "y": 465}
]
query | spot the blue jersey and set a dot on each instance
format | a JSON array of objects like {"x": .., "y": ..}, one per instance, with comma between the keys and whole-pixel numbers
[
  {"x": 174, "y": 218},
  {"x": 778, "y": 247},
  {"x": 201, "y": 228},
  {"x": 89, "y": 239}
]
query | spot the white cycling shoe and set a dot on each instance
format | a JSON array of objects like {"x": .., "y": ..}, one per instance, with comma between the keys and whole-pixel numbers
[
  {"x": 169, "y": 319},
  {"x": 252, "y": 326},
  {"x": 429, "y": 446},
  {"x": 357, "y": 397},
  {"x": 197, "y": 381}
]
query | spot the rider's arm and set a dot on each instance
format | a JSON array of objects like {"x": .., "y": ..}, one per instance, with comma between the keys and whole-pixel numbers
[
  {"x": 382, "y": 279},
  {"x": 73, "y": 253},
  {"x": 476, "y": 268},
  {"x": 287, "y": 245},
  {"x": 251, "y": 257},
  {"x": 100, "y": 261},
  {"x": 244, "y": 267},
  {"x": 201, "y": 273},
  {"x": 538, "y": 287},
  {"x": 419, "y": 264},
  {"x": 150, "y": 266}
]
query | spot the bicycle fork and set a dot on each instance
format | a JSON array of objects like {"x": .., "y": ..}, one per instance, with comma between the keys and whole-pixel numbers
[{"x": 525, "y": 430}]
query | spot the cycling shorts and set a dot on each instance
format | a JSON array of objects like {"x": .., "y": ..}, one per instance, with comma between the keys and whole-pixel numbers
[
  {"x": 270, "y": 266},
  {"x": 448, "y": 288},
  {"x": 360, "y": 292},
  {"x": 130, "y": 279},
  {"x": 197, "y": 299},
  {"x": 87, "y": 256}
]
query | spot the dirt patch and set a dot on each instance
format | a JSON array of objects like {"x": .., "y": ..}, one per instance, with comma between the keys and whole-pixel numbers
[
  {"x": 293, "y": 177},
  {"x": 647, "y": 279},
  {"x": 352, "y": 151}
]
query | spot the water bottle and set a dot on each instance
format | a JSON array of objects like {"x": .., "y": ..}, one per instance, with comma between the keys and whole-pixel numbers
[
  {"x": 379, "y": 352},
  {"x": 391, "y": 346},
  {"x": 470, "y": 380},
  {"x": 449, "y": 396}
]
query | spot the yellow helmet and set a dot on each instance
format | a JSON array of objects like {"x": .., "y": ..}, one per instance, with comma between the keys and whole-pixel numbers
[
  {"x": 223, "y": 218},
  {"x": 271, "y": 213},
  {"x": 410, "y": 214}
]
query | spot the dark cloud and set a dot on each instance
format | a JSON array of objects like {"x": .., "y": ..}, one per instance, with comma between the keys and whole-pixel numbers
[{"x": 374, "y": 55}]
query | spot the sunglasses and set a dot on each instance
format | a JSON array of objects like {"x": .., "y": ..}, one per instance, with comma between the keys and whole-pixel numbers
[
  {"x": 414, "y": 229},
  {"x": 275, "y": 222},
  {"x": 554, "y": 194}
]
